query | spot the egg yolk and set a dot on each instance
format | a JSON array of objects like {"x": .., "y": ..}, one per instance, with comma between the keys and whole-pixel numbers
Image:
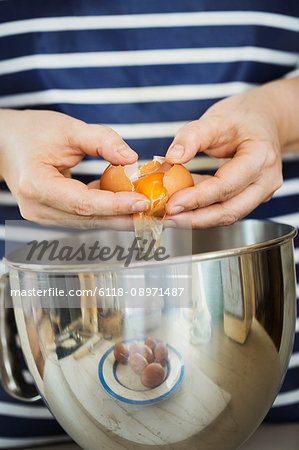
[{"x": 151, "y": 186}]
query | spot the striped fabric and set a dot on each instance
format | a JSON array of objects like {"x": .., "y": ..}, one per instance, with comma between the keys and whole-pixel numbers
[{"x": 143, "y": 68}]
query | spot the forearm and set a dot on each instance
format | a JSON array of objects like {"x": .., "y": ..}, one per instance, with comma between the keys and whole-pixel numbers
[
  {"x": 7, "y": 129},
  {"x": 283, "y": 97}
]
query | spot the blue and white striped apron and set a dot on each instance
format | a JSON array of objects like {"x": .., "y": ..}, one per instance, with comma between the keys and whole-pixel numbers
[{"x": 144, "y": 69}]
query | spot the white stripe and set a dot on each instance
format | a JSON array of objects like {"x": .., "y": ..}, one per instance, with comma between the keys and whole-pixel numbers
[
  {"x": 125, "y": 95},
  {"x": 2, "y": 267},
  {"x": 291, "y": 219},
  {"x": 6, "y": 198},
  {"x": 25, "y": 234},
  {"x": 150, "y": 21},
  {"x": 294, "y": 360},
  {"x": 291, "y": 156},
  {"x": 297, "y": 325},
  {"x": 296, "y": 255},
  {"x": 97, "y": 167},
  {"x": 289, "y": 187},
  {"x": 30, "y": 442},
  {"x": 294, "y": 73},
  {"x": 287, "y": 398},
  {"x": 147, "y": 130},
  {"x": 93, "y": 167},
  {"x": 148, "y": 57},
  {"x": 34, "y": 412},
  {"x": 297, "y": 290}
]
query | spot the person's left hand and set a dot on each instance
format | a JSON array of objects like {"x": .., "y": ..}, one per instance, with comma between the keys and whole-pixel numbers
[{"x": 244, "y": 128}]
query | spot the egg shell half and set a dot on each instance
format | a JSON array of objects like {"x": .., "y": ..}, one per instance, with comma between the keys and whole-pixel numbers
[
  {"x": 114, "y": 179},
  {"x": 177, "y": 178}
]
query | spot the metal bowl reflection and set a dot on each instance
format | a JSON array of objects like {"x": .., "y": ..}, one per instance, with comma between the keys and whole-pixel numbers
[{"x": 233, "y": 331}]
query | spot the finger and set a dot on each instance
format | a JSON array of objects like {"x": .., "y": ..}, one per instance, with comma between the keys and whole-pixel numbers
[
  {"x": 95, "y": 184},
  {"x": 48, "y": 216},
  {"x": 225, "y": 213},
  {"x": 229, "y": 180},
  {"x": 98, "y": 140},
  {"x": 199, "y": 178},
  {"x": 66, "y": 173},
  {"x": 200, "y": 135},
  {"x": 71, "y": 196}
]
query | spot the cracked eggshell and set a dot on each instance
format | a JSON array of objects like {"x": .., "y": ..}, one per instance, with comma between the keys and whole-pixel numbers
[
  {"x": 149, "y": 167},
  {"x": 177, "y": 178},
  {"x": 119, "y": 178}
]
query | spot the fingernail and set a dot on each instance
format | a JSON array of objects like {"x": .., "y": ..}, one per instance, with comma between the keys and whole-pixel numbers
[
  {"x": 169, "y": 223},
  {"x": 142, "y": 205},
  {"x": 126, "y": 152},
  {"x": 175, "y": 152},
  {"x": 176, "y": 210}
]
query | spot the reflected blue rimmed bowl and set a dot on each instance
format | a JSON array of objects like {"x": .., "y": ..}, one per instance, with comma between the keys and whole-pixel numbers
[{"x": 123, "y": 384}]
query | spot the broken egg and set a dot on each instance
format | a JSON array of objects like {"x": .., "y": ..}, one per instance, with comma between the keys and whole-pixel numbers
[{"x": 157, "y": 180}]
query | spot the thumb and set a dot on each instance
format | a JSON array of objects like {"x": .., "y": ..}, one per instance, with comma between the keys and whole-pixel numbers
[
  {"x": 201, "y": 135},
  {"x": 99, "y": 140}
]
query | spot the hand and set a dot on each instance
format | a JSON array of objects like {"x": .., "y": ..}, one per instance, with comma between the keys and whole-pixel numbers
[
  {"x": 37, "y": 149},
  {"x": 246, "y": 128}
]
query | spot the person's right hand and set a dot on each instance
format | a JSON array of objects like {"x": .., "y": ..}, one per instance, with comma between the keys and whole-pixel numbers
[{"x": 37, "y": 149}]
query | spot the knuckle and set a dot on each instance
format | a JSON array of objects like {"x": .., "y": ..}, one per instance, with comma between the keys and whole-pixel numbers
[
  {"x": 109, "y": 132},
  {"x": 26, "y": 212},
  {"x": 92, "y": 222},
  {"x": 84, "y": 208},
  {"x": 228, "y": 217},
  {"x": 268, "y": 198},
  {"x": 271, "y": 158},
  {"x": 194, "y": 201},
  {"x": 278, "y": 182},
  {"x": 116, "y": 205},
  {"x": 188, "y": 131},
  {"x": 271, "y": 154},
  {"x": 226, "y": 190},
  {"x": 25, "y": 189}
]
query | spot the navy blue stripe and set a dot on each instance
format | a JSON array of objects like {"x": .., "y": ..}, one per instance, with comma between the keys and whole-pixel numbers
[
  {"x": 9, "y": 213},
  {"x": 3, "y": 186},
  {"x": 289, "y": 413},
  {"x": 4, "y": 397},
  {"x": 291, "y": 170},
  {"x": 27, "y": 427},
  {"x": 14, "y": 10},
  {"x": 148, "y": 39},
  {"x": 124, "y": 113},
  {"x": 296, "y": 340},
  {"x": 141, "y": 76},
  {"x": 277, "y": 206},
  {"x": 291, "y": 380},
  {"x": 146, "y": 148}
]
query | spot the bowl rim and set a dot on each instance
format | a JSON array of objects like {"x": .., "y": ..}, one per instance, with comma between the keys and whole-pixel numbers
[{"x": 199, "y": 257}]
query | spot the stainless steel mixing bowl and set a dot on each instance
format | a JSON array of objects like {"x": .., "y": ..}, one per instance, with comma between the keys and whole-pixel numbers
[{"x": 228, "y": 339}]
